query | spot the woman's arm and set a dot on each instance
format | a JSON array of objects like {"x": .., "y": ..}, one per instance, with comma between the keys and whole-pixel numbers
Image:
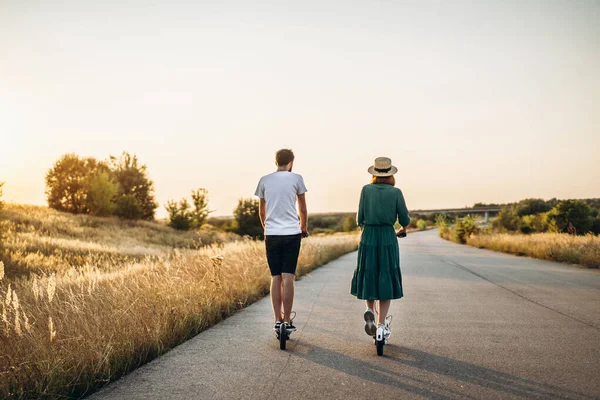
[
  {"x": 360, "y": 216},
  {"x": 403, "y": 217}
]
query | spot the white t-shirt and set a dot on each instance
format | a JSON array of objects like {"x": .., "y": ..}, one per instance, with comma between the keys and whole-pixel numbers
[{"x": 279, "y": 190}]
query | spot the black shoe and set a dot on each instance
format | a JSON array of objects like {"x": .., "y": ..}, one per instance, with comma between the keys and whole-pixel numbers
[
  {"x": 290, "y": 326},
  {"x": 277, "y": 325}
]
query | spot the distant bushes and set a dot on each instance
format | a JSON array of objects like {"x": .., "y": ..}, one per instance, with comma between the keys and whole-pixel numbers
[
  {"x": 538, "y": 216},
  {"x": 247, "y": 220},
  {"x": 350, "y": 224},
  {"x": 331, "y": 223},
  {"x": 182, "y": 216},
  {"x": 179, "y": 214},
  {"x": 459, "y": 231},
  {"x": 572, "y": 216},
  {"x": 562, "y": 231},
  {"x": 119, "y": 186}
]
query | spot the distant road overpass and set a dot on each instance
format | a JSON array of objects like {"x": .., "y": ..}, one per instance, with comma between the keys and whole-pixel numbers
[{"x": 478, "y": 210}]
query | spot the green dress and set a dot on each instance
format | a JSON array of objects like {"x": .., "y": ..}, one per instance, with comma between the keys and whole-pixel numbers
[{"x": 377, "y": 275}]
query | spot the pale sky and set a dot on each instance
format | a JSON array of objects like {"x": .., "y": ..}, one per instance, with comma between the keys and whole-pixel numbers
[{"x": 473, "y": 100}]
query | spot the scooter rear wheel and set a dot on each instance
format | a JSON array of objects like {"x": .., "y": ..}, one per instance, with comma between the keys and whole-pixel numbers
[{"x": 282, "y": 335}]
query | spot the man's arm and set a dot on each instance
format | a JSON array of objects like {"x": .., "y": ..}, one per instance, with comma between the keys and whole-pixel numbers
[
  {"x": 262, "y": 212},
  {"x": 303, "y": 214}
]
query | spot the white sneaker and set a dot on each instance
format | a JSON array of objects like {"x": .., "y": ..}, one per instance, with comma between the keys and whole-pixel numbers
[
  {"x": 387, "y": 328},
  {"x": 370, "y": 326},
  {"x": 379, "y": 336}
]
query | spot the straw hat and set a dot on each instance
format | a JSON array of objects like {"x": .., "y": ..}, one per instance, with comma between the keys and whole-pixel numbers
[{"x": 382, "y": 167}]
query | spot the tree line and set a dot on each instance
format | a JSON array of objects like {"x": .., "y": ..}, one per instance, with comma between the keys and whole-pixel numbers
[
  {"x": 537, "y": 215},
  {"x": 120, "y": 186}
]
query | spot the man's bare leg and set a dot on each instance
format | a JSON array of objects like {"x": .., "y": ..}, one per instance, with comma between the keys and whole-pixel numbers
[
  {"x": 288, "y": 295},
  {"x": 276, "y": 296}
]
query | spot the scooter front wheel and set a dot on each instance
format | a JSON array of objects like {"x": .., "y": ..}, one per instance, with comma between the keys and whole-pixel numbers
[{"x": 379, "y": 344}]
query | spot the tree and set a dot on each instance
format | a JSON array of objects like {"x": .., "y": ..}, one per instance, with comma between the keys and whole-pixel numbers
[
  {"x": 572, "y": 214},
  {"x": 1, "y": 202},
  {"x": 67, "y": 182},
  {"x": 595, "y": 229},
  {"x": 180, "y": 216},
  {"x": 535, "y": 223},
  {"x": 128, "y": 207},
  {"x": 200, "y": 212},
  {"x": 507, "y": 219},
  {"x": 133, "y": 181},
  {"x": 247, "y": 219},
  {"x": 102, "y": 194},
  {"x": 350, "y": 224},
  {"x": 532, "y": 206}
]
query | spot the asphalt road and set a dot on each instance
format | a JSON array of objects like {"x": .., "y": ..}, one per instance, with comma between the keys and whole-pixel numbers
[{"x": 473, "y": 324}]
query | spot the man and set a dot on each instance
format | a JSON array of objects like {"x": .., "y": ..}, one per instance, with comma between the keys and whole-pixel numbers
[{"x": 284, "y": 230}]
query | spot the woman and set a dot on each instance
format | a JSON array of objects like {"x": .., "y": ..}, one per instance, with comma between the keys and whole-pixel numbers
[{"x": 377, "y": 276}]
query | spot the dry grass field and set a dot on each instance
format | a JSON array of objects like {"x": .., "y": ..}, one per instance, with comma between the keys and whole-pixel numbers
[
  {"x": 84, "y": 300},
  {"x": 41, "y": 240},
  {"x": 562, "y": 247}
]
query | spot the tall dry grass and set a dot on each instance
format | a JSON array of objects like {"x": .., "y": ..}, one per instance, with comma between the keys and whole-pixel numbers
[
  {"x": 562, "y": 247},
  {"x": 67, "y": 334},
  {"x": 41, "y": 240}
]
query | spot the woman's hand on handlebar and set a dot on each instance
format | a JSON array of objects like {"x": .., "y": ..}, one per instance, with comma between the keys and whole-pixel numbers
[{"x": 401, "y": 233}]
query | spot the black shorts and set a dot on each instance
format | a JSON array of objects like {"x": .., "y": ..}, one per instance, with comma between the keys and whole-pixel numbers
[{"x": 282, "y": 253}]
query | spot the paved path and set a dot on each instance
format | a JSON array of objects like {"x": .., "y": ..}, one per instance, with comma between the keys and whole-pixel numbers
[{"x": 474, "y": 324}]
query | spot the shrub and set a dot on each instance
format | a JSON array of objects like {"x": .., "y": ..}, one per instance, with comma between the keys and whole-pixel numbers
[
  {"x": 350, "y": 224},
  {"x": 201, "y": 211},
  {"x": 573, "y": 216},
  {"x": 128, "y": 207},
  {"x": 463, "y": 229},
  {"x": 134, "y": 181},
  {"x": 421, "y": 225},
  {"x": 329, "y": 222},
  {"x": 442, "y": 222},
  {"x": 100, "y": 199},
  {"x": 180, "y": 216},
  {"x": 247, "y": 218}
]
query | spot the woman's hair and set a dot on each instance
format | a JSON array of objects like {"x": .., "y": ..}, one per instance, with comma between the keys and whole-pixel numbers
[{"x": 388, "y": 180}]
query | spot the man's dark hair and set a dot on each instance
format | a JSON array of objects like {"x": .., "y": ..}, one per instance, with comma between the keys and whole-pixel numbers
[{"x": 284, "y": 157}]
